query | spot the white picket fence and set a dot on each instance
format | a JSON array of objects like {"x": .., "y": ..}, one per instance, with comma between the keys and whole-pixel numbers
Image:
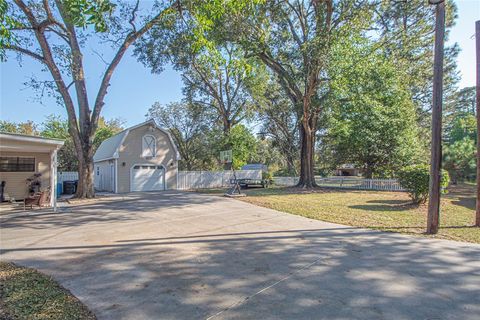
[
  {"x": 285, "y": 181},
  {"x": 346, "y": 183},
  {"x": 67, "y": 176},
  {"x": 212, "y": 179}
]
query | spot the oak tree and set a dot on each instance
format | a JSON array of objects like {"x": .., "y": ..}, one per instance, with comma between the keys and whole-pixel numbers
[
  {"x": 293, "y": 39},
  {"x": 54, "y": 33}
]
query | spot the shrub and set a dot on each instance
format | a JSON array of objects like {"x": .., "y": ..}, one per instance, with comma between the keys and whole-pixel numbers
[
  {"x": 415, "y": 179},
  {"x": 267, "y": 175}
]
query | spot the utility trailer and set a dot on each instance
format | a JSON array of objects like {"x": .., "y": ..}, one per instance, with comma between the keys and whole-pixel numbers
[{"x": 245, "y": 183}]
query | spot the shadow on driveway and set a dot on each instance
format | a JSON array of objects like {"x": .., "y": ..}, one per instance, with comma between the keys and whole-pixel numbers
[
  {"x": 190, "y": 256},
  {"x": 125, "y": 207}
]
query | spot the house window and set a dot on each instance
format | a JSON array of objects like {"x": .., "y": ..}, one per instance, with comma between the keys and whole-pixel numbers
[
  {"x": 149, "y": 146},
  {"x": 17, "y": 164}
]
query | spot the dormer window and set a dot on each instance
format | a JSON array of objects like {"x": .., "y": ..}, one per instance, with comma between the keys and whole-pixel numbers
[{"x": 149, "y": 146}]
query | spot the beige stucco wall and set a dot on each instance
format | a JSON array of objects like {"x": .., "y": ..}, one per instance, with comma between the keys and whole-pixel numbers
[
  {"x": 16, "y": 186},
  {"x": 130, "y": 154}
]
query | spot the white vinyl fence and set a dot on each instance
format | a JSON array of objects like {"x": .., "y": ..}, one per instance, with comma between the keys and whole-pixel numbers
[
  {"x": 346, "y": 183},
  {"x": 212, "y": 179},
  {"x": 285, "y": 181},
  {"x": 67, "y": 176}
]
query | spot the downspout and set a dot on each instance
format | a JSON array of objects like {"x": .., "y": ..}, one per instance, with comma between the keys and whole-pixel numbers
[
  {"x": 176, "y": 175},
  {"x": 116, "y": 175}
]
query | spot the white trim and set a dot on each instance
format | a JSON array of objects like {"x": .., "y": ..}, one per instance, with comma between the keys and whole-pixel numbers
[
  {"x": 106, "y": 159},
  {"x": 154, "y": 155},
  {"x": 20, "y": 137},
  {"x": 149, "y": 164},
  {"x": 116, "y": 176},
  {"x": 53, "y": 179},
  {"x": 112, "y": 176},
  {"x": 176, "y": 168}
]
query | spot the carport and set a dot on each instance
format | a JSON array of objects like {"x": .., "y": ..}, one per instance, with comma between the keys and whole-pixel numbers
[{"x": 21, "y": 157}]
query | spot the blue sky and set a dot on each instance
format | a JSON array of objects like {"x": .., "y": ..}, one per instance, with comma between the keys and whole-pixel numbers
[{"x": 134, "y": 89}]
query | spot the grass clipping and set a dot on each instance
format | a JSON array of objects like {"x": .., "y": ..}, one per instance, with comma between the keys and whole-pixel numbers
[{"x": 28, "y": 294}]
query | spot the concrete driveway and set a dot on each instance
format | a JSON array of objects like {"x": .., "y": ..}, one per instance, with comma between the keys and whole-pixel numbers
[{"x": 179, "y": 255}]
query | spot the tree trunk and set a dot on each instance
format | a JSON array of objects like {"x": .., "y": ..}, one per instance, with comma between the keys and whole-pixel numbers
[
  {"x": 85, "y": 187},
  {"x": 82, "y": 128},
  {"x": 227, "y": 126},
  {"x": 369, "y": 172},
  {"x": 307, "y": 176}
]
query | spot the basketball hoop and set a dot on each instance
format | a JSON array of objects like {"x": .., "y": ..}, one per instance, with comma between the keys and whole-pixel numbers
[{"x": 226, "y": 156}]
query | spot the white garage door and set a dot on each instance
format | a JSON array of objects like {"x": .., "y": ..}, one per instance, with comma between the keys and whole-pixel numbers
[{"x": 148, "y": 178}]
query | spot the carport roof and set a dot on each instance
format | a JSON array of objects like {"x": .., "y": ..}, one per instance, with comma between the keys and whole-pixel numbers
[{"x": 27, "y": 143}]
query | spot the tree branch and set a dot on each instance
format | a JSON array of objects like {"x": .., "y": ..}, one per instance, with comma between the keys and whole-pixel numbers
[
  {"x": 26, "y": 52},
  {"x": 289, "y": 84},
  {"x": 131, "y": 37},
  {"x": 54, "y": 70},
  {"x": 132, "y": 19}
]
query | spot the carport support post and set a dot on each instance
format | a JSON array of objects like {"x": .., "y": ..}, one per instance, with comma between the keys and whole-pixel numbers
[
  {"x": 477, "y": 40},
  {"x": 436, "y": 148},
  {"x": 53, "y": 192}
]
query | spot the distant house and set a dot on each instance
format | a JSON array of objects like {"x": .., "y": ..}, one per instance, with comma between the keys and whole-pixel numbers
[
  {"x": 347, "y": 170},
  {"x": 24, "y": 156},
  {"x": 141, "y": 158}
]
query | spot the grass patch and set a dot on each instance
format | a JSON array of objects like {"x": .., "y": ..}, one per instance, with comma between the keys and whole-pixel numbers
[
  {"x": 28, "y": 294},
  {"x": 386, "y": 211}
]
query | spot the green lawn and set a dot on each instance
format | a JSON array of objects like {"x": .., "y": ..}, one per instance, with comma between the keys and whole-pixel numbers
[
  {"x": 387, "y": 211},
  {"x": 28, "y": 294}
]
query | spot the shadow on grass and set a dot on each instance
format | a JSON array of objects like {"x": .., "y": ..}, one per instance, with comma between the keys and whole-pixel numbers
[
  {"x": 467, "y": 202},
  {"x": 393, "y": 202},
  {"x": 280, "y": 190},
  {"x": 386, "y": 228},
  {"x": 380, "y": 207},
  {"x": 462, "y": 194},
  {"x": 387, "y": 205}
]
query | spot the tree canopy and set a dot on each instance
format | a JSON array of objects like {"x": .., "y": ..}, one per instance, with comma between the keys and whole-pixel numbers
[
  {"x": 54, "y": 34},
  {"x": 57, "y": 127},
  {"x": 304, "y": 86}
]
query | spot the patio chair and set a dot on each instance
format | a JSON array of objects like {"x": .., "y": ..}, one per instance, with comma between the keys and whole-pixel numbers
[{"x": 38, "y": 199}]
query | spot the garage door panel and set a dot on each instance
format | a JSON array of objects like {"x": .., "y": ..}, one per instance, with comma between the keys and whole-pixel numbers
[{"x": 148, "y": 178}]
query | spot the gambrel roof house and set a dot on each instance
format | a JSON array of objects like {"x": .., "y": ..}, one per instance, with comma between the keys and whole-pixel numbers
[
  {"x": 23, "y": 157},
  {"x": 141, "y": 158}
]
